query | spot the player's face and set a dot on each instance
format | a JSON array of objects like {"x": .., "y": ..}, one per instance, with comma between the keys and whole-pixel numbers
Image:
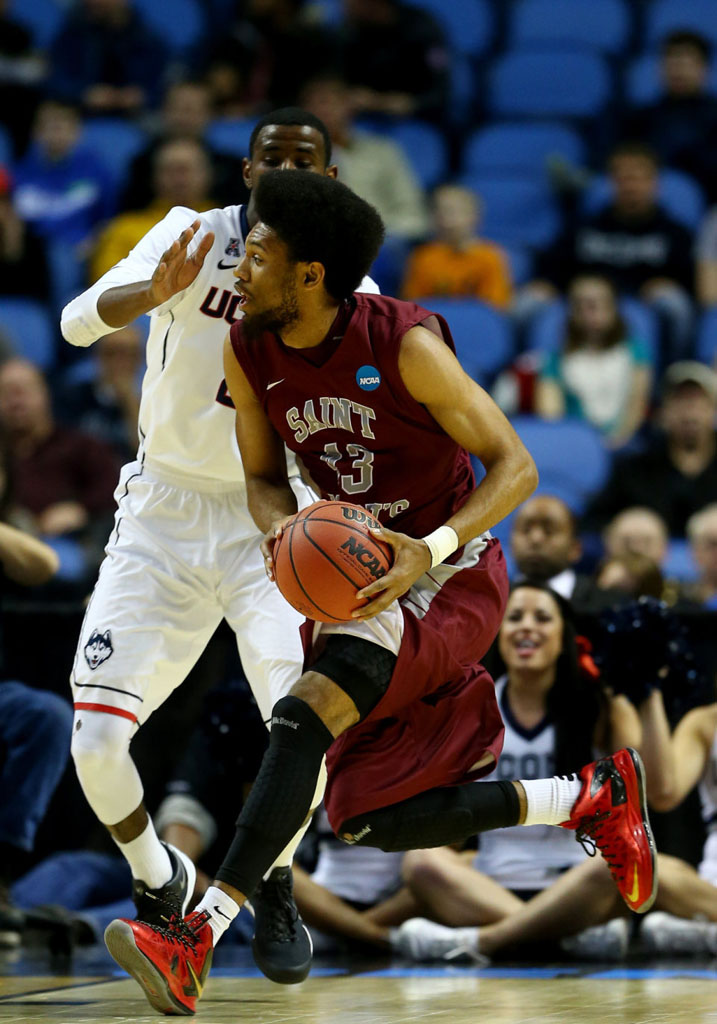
[
  {"x": 266, "y": 283},
  {"x": 287, "y": 147},
  {"x": 531, "y": 636}
]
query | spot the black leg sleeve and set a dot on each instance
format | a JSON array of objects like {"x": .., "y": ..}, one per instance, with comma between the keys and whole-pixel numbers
[
  {"x": 437, "y": 817},
  {"x": 280, "y": 800}
]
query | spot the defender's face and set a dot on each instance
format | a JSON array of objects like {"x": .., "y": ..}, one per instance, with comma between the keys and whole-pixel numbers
[
  {"x": 266, "y": 282},
  {"x": 287, "y": 147}
]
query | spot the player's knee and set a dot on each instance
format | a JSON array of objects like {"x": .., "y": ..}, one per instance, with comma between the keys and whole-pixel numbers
[
  {"x": 329, "y": 703},
  {"x": 97, "y": 740},
  {"x": 297, "y": 724}
]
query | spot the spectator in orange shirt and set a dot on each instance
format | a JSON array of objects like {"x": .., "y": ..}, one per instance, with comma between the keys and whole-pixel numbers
[{"x": 458, "y": 263}]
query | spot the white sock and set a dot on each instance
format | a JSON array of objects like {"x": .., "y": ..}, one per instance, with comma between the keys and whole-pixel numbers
[
  {"x": 550, "y": 801},
  {"x": 147, "y": 858},
  {"x": 221, "y": 909}
]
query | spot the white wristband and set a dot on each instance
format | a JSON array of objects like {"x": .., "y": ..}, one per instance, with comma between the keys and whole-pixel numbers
[{"x": 441, "y": 543}]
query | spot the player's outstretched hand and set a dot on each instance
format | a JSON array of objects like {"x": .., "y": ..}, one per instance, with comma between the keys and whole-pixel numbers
[
  {"x": 175, "y": 271},
  {"x": 267, "y": 545},
  {"x": 411, "y": 558}
]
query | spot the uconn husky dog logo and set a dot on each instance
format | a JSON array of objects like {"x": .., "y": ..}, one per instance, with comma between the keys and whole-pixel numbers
[{"x": 98, "y": 648}]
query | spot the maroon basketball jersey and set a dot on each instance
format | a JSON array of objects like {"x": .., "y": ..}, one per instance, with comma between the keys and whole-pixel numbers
[{"x": 343, "y": 408}]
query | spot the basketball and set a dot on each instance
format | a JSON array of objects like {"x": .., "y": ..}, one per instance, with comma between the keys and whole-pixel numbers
[{"x": 325, "y": 555}]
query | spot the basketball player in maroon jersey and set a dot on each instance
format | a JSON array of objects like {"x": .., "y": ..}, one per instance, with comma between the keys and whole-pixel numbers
[{"x": 368, "y": 392}]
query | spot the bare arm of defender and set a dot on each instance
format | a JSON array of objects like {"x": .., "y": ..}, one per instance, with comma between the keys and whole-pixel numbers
[
  {"x": 269, "y": 494},
  {"x": 175, "y": 271},
  {"x": 434, "y": 377}
]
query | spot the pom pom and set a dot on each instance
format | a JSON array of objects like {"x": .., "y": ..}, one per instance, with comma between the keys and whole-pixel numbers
[{"x": 643, "y": 645}]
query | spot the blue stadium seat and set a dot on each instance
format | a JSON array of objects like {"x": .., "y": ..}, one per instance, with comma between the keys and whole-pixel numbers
[
  {"x": 40, "y": 17},
  {"x": 571, "y": 460},
  {"x": 462, "y": 89},
  {"x": 680, "y": 195},
  {"x": 30, "y": 328},
  {"x": 547, "y": 329},
  {"x": 484, "y": 342},
  {"x": 679, "y": 563},
  {"x": 424, "y": 146},
  {"x": 664, "y": 16},
  {"x": 116, "y": 143},
  {"x": 180, "y": 24},
  {"x": 522, "y": 147},
  {"x": 707, "y": 337},
  {"x": 642, "y": 79},
  {"x": 230, "y": 135},
  {"x": 469, "y": 25},
  {"x": 603, "y": 24},
  {"x": 521, "y": 263},
  {"x": 517, "y": 209},
  {"x": 556, "y": 82}
]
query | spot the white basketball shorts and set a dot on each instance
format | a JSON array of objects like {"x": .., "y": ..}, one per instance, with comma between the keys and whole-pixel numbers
[{"x": 177, "y": 562}]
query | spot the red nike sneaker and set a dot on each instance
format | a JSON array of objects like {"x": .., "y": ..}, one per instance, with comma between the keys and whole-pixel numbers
[
  {"x": 610, "y": 815},
  {"x": 171, "y": 962}
]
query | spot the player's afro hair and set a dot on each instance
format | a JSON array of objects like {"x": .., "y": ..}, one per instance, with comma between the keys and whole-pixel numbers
[
  {"x": 292, "y": 116},
  {"x": 320, "y": 219}
]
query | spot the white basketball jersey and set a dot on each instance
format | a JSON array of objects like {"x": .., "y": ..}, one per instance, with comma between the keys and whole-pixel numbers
[
  {"x": 186, "y": 420},
  {"x": 532, "y": 856}
]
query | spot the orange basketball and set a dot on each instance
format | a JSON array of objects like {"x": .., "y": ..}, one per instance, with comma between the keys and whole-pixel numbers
[{"x": 325, "y": 555}]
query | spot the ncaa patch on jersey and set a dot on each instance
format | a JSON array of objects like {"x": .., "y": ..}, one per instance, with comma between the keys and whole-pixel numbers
[{"x": 368, "y": 378}]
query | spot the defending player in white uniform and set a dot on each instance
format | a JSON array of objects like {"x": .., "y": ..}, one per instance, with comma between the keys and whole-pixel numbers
[{"x": 184, "y": 551}]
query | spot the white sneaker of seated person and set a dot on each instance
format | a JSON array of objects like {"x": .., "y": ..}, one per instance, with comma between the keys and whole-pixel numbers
[
  {"x": 603, "y": 942},
  {"x": 423, "y": 941},
  {"x": 668, "y": 935}
]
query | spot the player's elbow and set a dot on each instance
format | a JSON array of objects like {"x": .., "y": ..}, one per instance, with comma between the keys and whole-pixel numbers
[{"x": 527, "y": 473}]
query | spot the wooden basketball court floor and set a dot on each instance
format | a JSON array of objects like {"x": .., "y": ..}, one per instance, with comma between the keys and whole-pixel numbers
[{"x": 93, "y": 991}]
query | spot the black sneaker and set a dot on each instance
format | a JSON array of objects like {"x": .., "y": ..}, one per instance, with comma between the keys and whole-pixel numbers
[
  {"x": 156, "y": 906},
  {"x": 282, "y": 944}
]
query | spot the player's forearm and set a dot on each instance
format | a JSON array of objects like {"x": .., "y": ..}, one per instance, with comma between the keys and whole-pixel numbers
[
  {"x": 103, "y": 308},
  {"x": 120, "y": 306},
  {"x": 507, "y": 483},
  {"x": 269, "y": 501}
]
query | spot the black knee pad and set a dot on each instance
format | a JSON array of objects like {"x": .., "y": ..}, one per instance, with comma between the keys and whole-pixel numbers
[
  {"x": 437, "y": 817},
  {"x": 361, "y": 668},
  {"x": 281, "y": 797}
]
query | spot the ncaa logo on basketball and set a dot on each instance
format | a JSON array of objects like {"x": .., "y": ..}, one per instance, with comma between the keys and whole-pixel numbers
[{"x": 368, "y": 378}]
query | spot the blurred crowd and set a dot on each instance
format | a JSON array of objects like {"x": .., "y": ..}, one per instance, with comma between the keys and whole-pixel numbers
[{"x": 567, "y": 232}]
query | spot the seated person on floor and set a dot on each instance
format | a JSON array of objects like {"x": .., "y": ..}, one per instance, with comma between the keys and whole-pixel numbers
[
  {"x": 474, "y": 916},
  {"x": 35, "y": 729}
]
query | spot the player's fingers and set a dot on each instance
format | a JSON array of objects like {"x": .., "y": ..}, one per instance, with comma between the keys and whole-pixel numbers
[
  {"x": 171, "y": 252},
  {"x": 388, "y": 536},
  {"x": 374, "y": 588},
  {"x": 375, "y": 607},
  {"x": 188, "y": 234}
]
